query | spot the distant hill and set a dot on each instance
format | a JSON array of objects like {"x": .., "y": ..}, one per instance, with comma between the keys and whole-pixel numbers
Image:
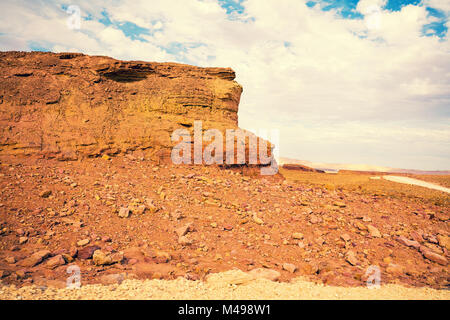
[
  {"x": 354, "y": 167},
  {"x": 300, "y": 167}
]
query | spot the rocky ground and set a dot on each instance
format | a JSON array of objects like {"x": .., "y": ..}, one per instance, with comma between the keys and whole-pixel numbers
[{"x": 126, "y": 218}]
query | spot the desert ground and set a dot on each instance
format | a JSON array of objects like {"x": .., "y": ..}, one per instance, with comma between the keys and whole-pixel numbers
[{"x": 137, "y": 228}]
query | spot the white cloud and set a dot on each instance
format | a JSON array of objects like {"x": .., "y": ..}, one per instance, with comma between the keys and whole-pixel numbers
[
  {"x": 443, "y": 5},
  {"x": 310, "y": 72},
  {"x": 366, "y": 6}
]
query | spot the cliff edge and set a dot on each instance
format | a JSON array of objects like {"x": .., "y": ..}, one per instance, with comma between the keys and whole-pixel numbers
[{"x": 71, "y": 105}]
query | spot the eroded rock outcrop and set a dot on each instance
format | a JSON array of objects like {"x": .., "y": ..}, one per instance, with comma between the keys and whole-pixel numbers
[{"x": 70, "y": 105}]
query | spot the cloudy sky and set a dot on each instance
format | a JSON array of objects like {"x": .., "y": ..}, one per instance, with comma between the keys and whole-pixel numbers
[{"x": 343, "y": 81}]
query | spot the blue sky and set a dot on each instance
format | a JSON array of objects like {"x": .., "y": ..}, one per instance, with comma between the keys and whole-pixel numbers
[
  {"x": 344, "y": 8},
  {"x": 235, "y": 8},
  {"x": 344, "y": 81}
]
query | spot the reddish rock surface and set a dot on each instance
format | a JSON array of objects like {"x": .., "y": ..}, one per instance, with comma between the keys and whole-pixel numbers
[{"x": 70, "y": 105}]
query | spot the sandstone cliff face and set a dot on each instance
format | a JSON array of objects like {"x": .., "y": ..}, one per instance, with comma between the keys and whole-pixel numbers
[{"x": 70, "y": 105}]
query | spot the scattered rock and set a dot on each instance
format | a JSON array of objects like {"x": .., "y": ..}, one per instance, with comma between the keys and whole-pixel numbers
[
  {"x": 109, "y": 279},
  {"x": 319, "y": 241},
  {"x": 133, "y": 253},
  {"x": 339, "y": 204},
  {"x": 152, "y": 208},
  {"x": 444, "y": 241},
  {"x": 374, "y": 232},
  {"x": 315, "y": 219},
  {"x": 23, "y": 240},
  {"x": 35, "y": 258},
  {"x": 87, "y": 252},
  {"x": 395, "y": 269},
  {"x": 176, "y": 215},
  {"x": 45, "y": 193},
  {"x": 10, "y": 260},
  {"x": 416, "y": 236},
  {"x": 53, "y": 283},
  {"x": 83, "y": 242},
  {"x": 227, "y": 227},
  {"x": 139, "y": 210},
  {"x": 409, "y": 243},
  {"x": 432, "y": 239},
  {"x": 297, "y": 235},
  {"x": 351, "y": 258},
  {"x": 124, "y": 212},
  {"x": 263, "y": 273},
  {"x": 100, "y": 258},
  {"x": 257, "y": 219},
  {"x": 68, "y": 258},
  {"x": 20, "y": 274},
  {"x": 116, "y": 257},
  {"x": 153, "y": 270},
  {"x": 360, "y": 226},
  {"x": 159, "y": 256},
  {"x": 56, "y": 261},
  {"x": 183, "y": 230},
  {"x": 73, "y": 252},
  {"x": 434, "y": 248},
  {"x": 185, "y": 241},
  {"x": 430, "y": 255},
  {"x": 289, "y": 267}
]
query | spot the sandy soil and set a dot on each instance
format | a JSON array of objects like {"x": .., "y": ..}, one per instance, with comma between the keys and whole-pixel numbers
[
  {"x": 416, "y": 182},
  {"x": 218, "y": 287}
]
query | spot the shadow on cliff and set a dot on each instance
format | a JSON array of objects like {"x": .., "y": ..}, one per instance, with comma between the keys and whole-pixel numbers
[{"x": 127, "y": 75}]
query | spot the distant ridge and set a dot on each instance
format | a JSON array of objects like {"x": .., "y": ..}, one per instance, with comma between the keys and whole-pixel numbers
[
  {"x": 300, "y": 167},
  {"x": 356, "y": 167}
]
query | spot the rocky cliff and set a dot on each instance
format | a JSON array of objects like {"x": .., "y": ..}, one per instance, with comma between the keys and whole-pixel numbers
[{"x": 70, "y": 105}]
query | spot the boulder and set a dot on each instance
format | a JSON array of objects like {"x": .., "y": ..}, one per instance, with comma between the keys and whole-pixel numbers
[
  {"x": 263, "y": 273},
  {"x": 409, "y": 243},
  {"x": 87, "y": 252},
  {"x": 100, "y": 258},
  {"x": 35, "y": 258},
  {"x": 56, "y": 261},
  {"x": 430, "y": 255}
]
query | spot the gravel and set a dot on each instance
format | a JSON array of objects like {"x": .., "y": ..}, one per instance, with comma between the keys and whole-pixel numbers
[{"x": 214, "y": 288}]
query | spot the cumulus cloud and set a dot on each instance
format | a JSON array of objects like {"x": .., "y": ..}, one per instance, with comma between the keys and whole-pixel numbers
[
  {"x": 443, "y": 5},
  {"x": 335, "y": 87}
]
